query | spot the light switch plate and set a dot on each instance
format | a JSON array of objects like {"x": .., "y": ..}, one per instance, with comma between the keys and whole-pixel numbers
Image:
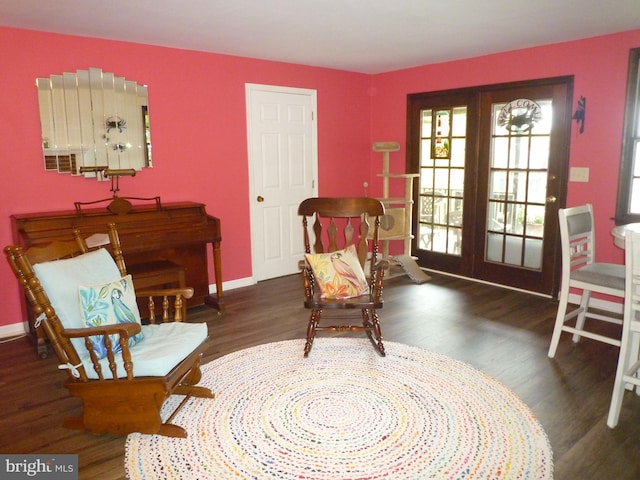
[{"x": 579, "y": 174}]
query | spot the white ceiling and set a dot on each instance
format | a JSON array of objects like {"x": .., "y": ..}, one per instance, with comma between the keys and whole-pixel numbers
[{"x": 368, "y": 36}]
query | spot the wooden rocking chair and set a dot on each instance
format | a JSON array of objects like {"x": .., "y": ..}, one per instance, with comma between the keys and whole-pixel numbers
[
  {"x": 122, "y": 384},
  {"x": 340, "y": 250}
]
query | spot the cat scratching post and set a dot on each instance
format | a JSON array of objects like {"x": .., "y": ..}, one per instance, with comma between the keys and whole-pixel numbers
[{"x": 396, "y": 223}]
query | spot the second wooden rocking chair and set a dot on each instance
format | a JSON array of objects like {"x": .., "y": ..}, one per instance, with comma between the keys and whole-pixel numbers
[{"x": 121, "y": 370}]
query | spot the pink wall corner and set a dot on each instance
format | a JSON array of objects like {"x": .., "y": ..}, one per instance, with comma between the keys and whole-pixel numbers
[
  {"x": 198, "y": 130},
  {"x": 599, "y": 66}
]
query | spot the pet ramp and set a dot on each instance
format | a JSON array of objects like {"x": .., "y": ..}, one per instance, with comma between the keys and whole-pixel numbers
[{"x": 410, "y": 267}]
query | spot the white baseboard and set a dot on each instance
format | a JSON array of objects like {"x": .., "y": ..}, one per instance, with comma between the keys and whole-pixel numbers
[
  {"x": 14, "y": 330},
  {"x": 239, "y": 283}
]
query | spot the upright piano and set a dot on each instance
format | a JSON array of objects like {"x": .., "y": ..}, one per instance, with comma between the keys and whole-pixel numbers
[{"x": 174, "y": 233}]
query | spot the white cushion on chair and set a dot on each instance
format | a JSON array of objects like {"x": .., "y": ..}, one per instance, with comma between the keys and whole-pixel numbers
[
  {"x": 164, "y": 346},
  {"x": 61, "y": 279}
]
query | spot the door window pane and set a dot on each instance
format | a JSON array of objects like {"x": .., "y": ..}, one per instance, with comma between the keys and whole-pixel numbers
[
  {"x": 425, "y": 146},
  {"x": 513, "y": 250},
  {"x": 458, "y": 152},
  {"x": 459, "y": 123},
  {"x": 533, "y": 252},
  {"x": 539, "y": 152},
  {"x": 517, "y": 186},
  {"x": 498, "y": 186},
  {"x": 500, "y": 152},
  {"x": 519, "y": 152},
  {"x": 457, "y": 182},
  {"x": 537, "y": 187},
  {"x": 515, "y": 218},
  {"x": 494, "y": 247}
]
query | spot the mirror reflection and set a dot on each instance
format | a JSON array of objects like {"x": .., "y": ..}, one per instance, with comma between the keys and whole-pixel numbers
[{"x": 93, "y": 121}]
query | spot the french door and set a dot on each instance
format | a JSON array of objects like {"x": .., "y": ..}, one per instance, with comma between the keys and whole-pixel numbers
[{"x": 493, "y": 167}]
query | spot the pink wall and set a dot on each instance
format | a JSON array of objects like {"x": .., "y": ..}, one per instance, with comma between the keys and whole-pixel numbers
[
  {"x": 197, "y": 110},
  {"x": 600, "y": 69}
]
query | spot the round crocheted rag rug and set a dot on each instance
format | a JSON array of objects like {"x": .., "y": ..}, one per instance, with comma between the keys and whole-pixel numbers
[{"x": 345, "y": 413}]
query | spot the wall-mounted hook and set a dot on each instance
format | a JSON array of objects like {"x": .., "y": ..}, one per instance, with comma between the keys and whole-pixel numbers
[{"x": 579, "y": 115}]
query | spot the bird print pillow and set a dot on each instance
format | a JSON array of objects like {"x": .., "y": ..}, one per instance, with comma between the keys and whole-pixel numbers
[
  {"x": 109, "y": 304},
  {"x": 338, "y": 274}
]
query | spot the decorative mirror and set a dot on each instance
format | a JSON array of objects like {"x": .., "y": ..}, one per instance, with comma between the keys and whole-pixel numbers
[{"x": 94, "y": 124}]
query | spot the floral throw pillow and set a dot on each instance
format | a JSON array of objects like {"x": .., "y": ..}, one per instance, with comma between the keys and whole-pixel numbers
[
  {"x": 338, "y": 274},
  {"x": 109, "y": 304}
]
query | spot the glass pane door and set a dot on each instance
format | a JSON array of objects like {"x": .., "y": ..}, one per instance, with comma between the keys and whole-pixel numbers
[
  {"x": 442, "y": 168},
  {"x": 519, "y": 160}
]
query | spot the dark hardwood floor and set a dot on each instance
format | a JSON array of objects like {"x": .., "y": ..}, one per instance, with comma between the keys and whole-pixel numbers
[{"x": 502, "y": 332}]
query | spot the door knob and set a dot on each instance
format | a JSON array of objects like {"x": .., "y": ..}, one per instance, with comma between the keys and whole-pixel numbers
[
  {"x": 551, "y": 199},
  {"x": 260, "y": 198}
]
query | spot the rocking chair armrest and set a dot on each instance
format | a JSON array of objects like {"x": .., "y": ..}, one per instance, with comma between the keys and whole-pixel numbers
[
  {"x": 124, "y": 330},
  {"x": 166, "y": 292},
  {"x": 170, "y": 296},
  {"x": 128, "y": 329}
]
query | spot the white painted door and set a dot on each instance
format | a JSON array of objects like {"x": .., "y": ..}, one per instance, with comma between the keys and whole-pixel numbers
[{"x": 282, "y": 143}]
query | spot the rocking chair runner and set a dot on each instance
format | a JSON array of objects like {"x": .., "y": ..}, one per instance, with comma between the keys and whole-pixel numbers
[
  {"x": 122, "y": 385},
  {"x": 333, "y": 275}
]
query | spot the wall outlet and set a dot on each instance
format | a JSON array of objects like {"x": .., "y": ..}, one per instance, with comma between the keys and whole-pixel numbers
[{"x": 579, "y": 174}]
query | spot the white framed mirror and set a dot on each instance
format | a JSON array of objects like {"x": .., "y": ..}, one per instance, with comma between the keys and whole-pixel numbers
[{"x": 93, "y": 121}]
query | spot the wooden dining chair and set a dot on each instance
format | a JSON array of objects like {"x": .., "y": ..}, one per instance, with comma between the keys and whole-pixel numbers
[
  {"x": 628, "y": 370},
  {"x": 344, "y": 247},
  {"x": 122, "y": 371},
  {"x": 581, "y": 271}
]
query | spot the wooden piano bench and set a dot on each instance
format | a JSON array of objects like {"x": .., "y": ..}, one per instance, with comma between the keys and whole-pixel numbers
[{"x": 158, "y": 273}]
